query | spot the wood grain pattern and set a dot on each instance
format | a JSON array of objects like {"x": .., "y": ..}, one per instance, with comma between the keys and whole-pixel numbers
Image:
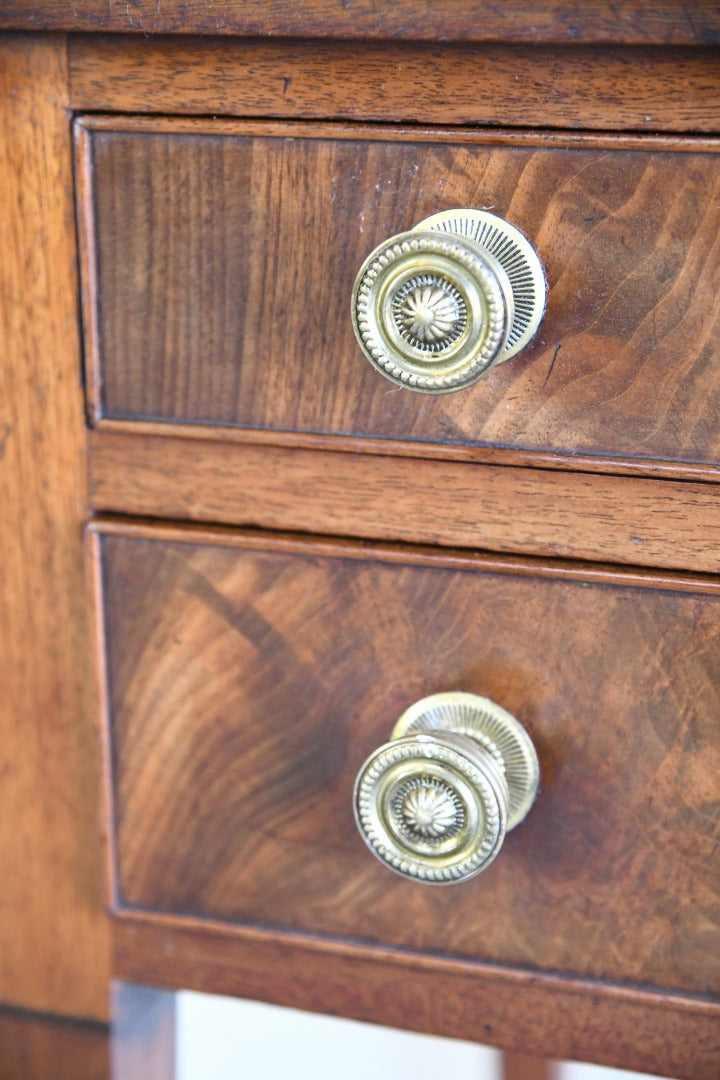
[
  {"x": 608, "y": 88},
  {"x": 239, "y": 717},
  {"x": 53, "y": 932},
  {"x": 660, "y": 629},
  {"x": 557, "y": 20},
  {"x": 222, "y": 297},
  {"x": 404, "y": 448},
  {"x": 419, "y": 554},
  {"x": 36, "y": 1047},
  {"x": 524, "y": 511}
]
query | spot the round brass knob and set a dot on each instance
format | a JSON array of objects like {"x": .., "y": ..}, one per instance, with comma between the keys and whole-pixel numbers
[
  {"x": 435, "y": 802},
  {"x": 435, "y": 308}
]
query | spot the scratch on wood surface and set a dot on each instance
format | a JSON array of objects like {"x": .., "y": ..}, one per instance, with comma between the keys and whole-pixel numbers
[{"x": 552, "y": 363}]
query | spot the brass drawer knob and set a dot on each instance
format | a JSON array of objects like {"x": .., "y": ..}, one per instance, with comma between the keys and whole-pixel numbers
[
  {"x": 435, "y": 802},
  {"x": 435, "y": 308}
]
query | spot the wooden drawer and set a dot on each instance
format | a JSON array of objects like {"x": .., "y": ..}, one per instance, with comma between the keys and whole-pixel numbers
[
  {"x": 187, "y": 423},
  {"x": 238, "y": 717},
  {"x": 220, "y": 258}
]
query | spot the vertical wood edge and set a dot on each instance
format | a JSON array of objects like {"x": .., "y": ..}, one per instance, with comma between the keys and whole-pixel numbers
[
  {"x": 54, "y": 935},
  {"x": 87, "y": 267},
  {"x": 93, "y": 540}
]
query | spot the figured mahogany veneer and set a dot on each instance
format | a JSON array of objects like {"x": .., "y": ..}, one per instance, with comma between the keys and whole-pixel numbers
[
  {"x": 220, "y": 262},
  {"x": 248, "y": 674},
  {"x": 249, "y": 678}
]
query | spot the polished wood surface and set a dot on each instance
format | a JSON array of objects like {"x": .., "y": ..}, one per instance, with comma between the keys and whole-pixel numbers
[
  {"x": 403, "y": 448},
  {"x": 530, "y": 1012},
  {"x": 522, "y": 1067},
  {"x": 105, "y": 430},
  {"x": 660, "y": 523},
  {"x": 37, "y": 1047},
  {"x": 603, "y": 87},
  {"x": 638, "y": 69},
  {"x": 53, "y": 934},
  {"x": 238, "y": 718},
  {"x": 452, "y": 558},
  {"x": 226, "y": 301},
  {"x": 670, "y": 21}
]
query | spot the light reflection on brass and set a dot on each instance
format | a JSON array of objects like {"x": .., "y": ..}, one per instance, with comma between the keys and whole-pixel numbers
[
  {"x": 436, "y": 308},
  {"x": 434, "y": 803}
]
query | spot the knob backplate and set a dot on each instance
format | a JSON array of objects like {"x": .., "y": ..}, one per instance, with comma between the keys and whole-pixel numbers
[
  {"x": 494, "y": 728},
  {"x": 517, "y": 257}
]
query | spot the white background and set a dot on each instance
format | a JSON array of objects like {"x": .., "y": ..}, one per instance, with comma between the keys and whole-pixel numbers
[{"x": 226, "y": 1039}]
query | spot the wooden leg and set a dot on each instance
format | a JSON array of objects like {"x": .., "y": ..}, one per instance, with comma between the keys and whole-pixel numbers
[
  {"x": 35, "y": 1047},
  {"x": 521, "y": 1067},
  {"x": 54, "y": 941},
  {"x": 143, "y": 1033}
]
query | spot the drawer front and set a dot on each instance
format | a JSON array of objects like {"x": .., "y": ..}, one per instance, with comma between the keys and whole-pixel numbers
[
  {"x": 220, "y": 259},
  {"x": 238, "y": 716}
]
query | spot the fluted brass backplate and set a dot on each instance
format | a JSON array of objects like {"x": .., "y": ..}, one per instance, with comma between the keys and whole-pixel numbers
[
  {"x": 492, "y": 727},
  {"x": 434, "y": 803},
  {"x": 518, "y": 259},
  {"x": 435, "y": 308}
]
